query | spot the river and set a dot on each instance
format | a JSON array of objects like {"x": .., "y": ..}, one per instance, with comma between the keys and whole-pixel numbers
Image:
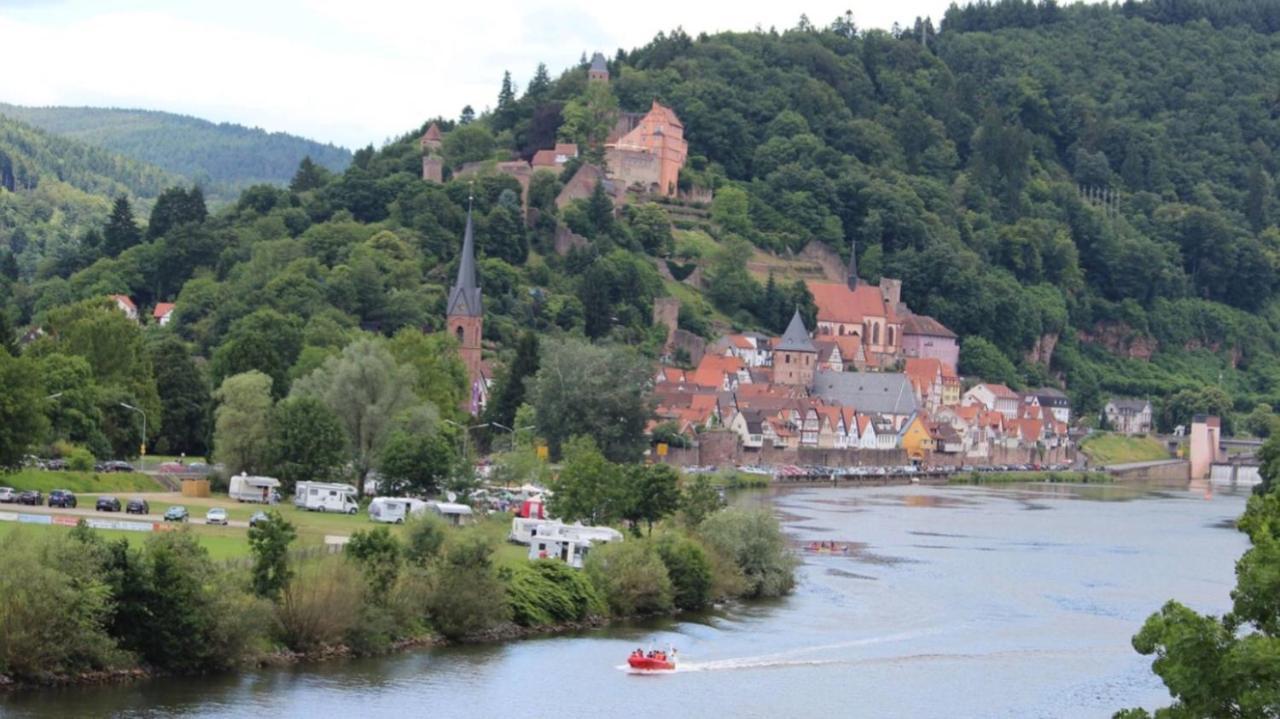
[{"x": 953, "y": 601}]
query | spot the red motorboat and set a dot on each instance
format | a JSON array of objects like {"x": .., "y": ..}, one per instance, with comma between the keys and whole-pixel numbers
[{"x": 652, "y": 661}]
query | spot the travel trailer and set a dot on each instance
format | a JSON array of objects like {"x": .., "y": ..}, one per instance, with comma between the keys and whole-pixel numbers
[
  {"x": 553, "y": 539},
  {"x": 453, "y": 513},
  {"x": 326, "y": 497},
  {"x": 395, "y": 510},
  {"x": 253, "y": 489}
]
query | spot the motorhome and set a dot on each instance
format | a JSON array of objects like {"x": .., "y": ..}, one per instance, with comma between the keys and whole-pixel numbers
[
  {"x": 254, "y": 489},
  {"x": 525, "y": 530},
  {"x": 452, "y": 512},
  {"x": 326, "y": 497},
  {"x": 395, "y": 510}
]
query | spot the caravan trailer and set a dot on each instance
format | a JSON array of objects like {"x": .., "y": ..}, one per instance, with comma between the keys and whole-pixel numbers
[
  {"x": 253, "y": 489},
  {"x": 451, "y": 512},
  {"x": 395, "y": 510},
  {"x": 326, "y": 497}
]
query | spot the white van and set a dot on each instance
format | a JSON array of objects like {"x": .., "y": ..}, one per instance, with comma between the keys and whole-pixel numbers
[
  {"x": 253, "y": 489},
  {"x": 326, "y": 497},
  {"x": 395, "y": 510}
]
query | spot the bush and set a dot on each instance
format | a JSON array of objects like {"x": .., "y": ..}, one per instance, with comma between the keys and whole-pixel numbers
[
  {"x": 54, "y": 608},
  {"x": 425, "y": 537},
  {"x": 753, "y": 539},
  {"x": 689, "y": 569},
  {"x": 320, "y": 605},
  {"x": 632, "y": 578},
  {"x": 547, "y": 591},
  {"x": 80, "y": 459},
  {"x": 379, "y": 555},
  {"x": 468, "y": 597}
]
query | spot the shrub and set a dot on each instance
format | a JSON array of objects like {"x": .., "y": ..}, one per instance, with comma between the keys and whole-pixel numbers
[
  {"x": 689, "y": 569},
  {"x": 632, "y": 578},
  {"x": 753, "y": 539},
  {"x": 468, "y": 598},
  {"x": 547, "y": 591},
  {"x": 320, "y": 605},
  {"x": 379, "y": 554},
  {"x": 54, "y": 608},
  {"x": 425, "y": 537},
  {"x": 80, "y": 459}
]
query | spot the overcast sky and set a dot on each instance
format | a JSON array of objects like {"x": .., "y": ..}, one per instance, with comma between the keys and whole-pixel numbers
[{"x": 351, "y": 72}]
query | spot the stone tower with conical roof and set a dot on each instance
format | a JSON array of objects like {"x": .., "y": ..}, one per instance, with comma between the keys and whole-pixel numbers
[
  {"x": 794, "y": 356},
  {"x": 599, "y": 69},
  {"x": 464, "y": 310}
]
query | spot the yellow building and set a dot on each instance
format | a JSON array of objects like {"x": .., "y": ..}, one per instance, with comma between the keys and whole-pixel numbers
[{"x": 915, "y": 438}]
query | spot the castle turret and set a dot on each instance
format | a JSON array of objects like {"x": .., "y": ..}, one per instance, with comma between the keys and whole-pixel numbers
[{"x": 599, "y": 70}]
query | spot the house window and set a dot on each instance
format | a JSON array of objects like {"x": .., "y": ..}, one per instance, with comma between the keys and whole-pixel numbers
[
  {"x": 891, "y": 336},
  {"x": 875, "y": 334},
  {"x": 786, "y": 359},
  {"x": 460, "y": 333}
]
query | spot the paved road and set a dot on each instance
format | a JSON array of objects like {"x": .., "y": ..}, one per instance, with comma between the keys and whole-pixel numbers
[{"x": 86, "y": 512}]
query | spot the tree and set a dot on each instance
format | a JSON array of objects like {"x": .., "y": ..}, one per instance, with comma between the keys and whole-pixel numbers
[
  {"x": 424, "y": 538},
  {"x": 121, "y": 231},
  {"x": 651, "y": 227},
  {"x": 467, "y": 116},
  {"x": 307, "y": 442},
  {"x": 689, "y": 569},
  {"x": 266, "y": 341},
  {"x": 980, "y": 358},
  {"x": 366, "y": 388},
  {"x": 310, "y": 176},
  {"x": 468, "y": 597},
  {"x": 379, "y": 555},
  {"x": 650, "y": 492},
  {"x": 468, "y": 143},
  {"x": 242, "y": 422},
  {"x": 753, "y": 539},
  {"x": 589, "y": 118},
  {"x": 1226, "y": 666},
  {"x": 416, "y": 462},
  {"x": 22, "y": 420},
  {"x": 506, "y": 113},
  {"x": 175, "y": 206},
  {"x": 589, "y": 488},
  {"x": 440, "y": 378},
  {"x": 581, "y": 389},
  {"x": 269, "y": 543},
  {"x": 184, "y": 399},
  {"x": 8, "y": 337},
  {"x": 512, "y": 385},
  {"x": 698, "y": 500},
  {"x": 504, "y": 237},
  {"x": 729, "y": 210}
]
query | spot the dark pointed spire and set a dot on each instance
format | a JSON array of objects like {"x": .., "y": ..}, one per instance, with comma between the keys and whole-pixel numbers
[
  {"x": 464, "y": 297},
  {"x": 796, "y": 338},
  {"x": 852, "y": 278}
]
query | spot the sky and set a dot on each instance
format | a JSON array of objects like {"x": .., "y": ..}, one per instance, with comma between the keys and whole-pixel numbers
[{"x": 348, "y": 72}]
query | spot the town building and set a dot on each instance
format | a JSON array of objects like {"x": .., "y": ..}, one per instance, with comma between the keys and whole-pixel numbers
[
  {"x": 925, "y": 337},
  {"x": 856, "y": 309},
  {"x": 125, "y": 305},
  {"x": 648, "y": 158},
  {"x": 794, "y": 357},
  {"x": 888, "y": 394},
  {"x": 464, "y": 321},
  {"x": 432, "y": 143},
  {"x": 598, "y": 71},
  {"x": 1128, "y": 416},
  {"x": 1054, "y": 401},
  {"x": 554, "y": 158},
  {"x": 162, "y": 313},
  {"x": 995, "y": 398}
]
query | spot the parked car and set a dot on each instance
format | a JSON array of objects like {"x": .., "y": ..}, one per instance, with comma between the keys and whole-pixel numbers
[
  {"x": 8, "y": 495},
  {"x": 176, "y": 513},
  {"x": 107, "y": 503},
  {"x": 56, "y": 464},
  {"x": 137, "y": 506},
  {"x": 258, "y": 518},
  {"x": 171, "y": 468},
  {"x": 217, "y": 515},
  {"x": 62, "y": 498},
  {"x": 33, "y": 497},
  {"x": 116, "y": 465}
]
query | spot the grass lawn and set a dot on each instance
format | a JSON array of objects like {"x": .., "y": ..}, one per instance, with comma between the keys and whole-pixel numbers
[
  {"x": 78, "y": 482},
  {"x": 1119, "y": 449},
  {"x": 221, "y": 542}
]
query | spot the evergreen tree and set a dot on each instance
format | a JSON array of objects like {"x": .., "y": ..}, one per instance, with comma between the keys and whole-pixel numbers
[
  {"x": 468, "y": 115},
  {"x": 506, "y": 113},
  {"x": 121, "y": 231},
  {"x": 539, "y": 86},
  {"x": 175, "y": 207},
  {"x": 8, "y": 337},
  {"x": 309, "y": 176},
  {"x": 513, "y": 389},
  {"x": 9, "y": 267}
]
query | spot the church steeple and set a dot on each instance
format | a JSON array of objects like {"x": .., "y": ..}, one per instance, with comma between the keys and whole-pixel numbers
[
  {"x": 852, "y": 278},
  {"x": 464, "y": 297}
]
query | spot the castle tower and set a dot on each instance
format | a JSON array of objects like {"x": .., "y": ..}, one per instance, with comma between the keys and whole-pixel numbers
[
  {"x": 432, "y": 163},
  {"x": 795, "y": 358},
  {"x": 599, "y": 70},
  {"x": 464, "y": 311}
]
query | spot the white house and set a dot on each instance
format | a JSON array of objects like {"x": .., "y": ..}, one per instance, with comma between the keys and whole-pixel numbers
[
  {"x": 126, "y": 306},
  {"x": 995, "y": 397}
]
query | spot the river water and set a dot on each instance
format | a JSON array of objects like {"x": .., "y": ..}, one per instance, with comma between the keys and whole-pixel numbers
[{"x": 953, "y": 601}]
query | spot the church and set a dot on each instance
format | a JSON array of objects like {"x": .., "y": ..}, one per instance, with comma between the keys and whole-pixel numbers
[{"x": 465, "y": 317}]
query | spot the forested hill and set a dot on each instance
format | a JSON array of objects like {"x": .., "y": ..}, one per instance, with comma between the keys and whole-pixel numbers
[
  {"x": 223, "y": 158},
  {"x": 1083, "y": 193},
  {"x": 53, "y": 188}
]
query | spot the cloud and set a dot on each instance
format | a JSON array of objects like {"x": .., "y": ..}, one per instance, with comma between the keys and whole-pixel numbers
[{"x": 350, "y": 73}]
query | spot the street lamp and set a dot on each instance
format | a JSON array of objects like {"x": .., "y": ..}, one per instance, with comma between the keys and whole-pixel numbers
[
  {"x": 512, "y": 431},
  {"x": 143, "y": 461},
  {"x": 466, "y": 435}
]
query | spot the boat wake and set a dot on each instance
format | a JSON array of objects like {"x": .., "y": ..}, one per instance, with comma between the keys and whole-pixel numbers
[{"x": 784, "y": 659}]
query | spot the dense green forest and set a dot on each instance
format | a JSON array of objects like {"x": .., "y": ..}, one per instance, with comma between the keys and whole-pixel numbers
[
  {"x": 1084, "y": 193},
  {"x": 223, "y": 158}
]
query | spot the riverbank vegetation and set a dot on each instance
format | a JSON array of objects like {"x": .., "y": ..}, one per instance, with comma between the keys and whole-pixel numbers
[
  {"x": 82, "y": 601},
  {"x": 1104, "y": 448},
  {"x": 1227, "y": 666}
]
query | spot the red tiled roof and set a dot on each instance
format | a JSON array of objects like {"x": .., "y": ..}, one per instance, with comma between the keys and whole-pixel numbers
[
  {"x": 162, "y": 309},
  {"x": 544, "y": 158},
  {"x": 837, "y": 303},
  {"x": 1000, "y": 391},
  {"x": 925, "y": 325},
  {"x": 124, "y": 300},
  {"x": 568, "y": 149},
  {"x": 712, "y": 369}
]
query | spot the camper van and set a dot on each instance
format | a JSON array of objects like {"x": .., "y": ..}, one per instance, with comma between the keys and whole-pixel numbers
[
  {"x": 254, "y": 489},
  {"x": 453, "y": 513},
  {"x": 395, "y": 510},
  {"x": 525, "y": 531},
  {"x": 326, "y": 497}
]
